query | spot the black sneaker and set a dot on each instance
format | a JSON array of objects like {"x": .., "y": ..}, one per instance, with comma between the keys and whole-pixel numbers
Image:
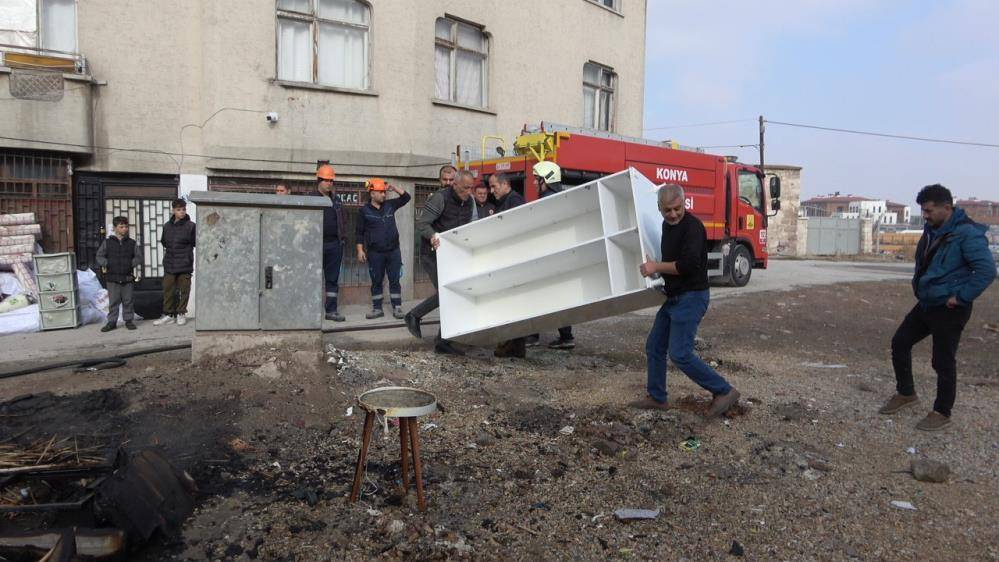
[
  {"x": 375, "y": 313},
  {"x": 413, "y": 325},
  {"x": 533, "y": 340},
  {"x": 335, "y": 316},
  {"x": 444, "y": 347},
  {"x": 130, "y": 325},
  {"x": 562, "y": 344},
  {"x": 108, "y": 327}
]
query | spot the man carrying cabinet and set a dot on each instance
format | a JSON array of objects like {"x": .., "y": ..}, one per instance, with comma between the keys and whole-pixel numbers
[
  {"x": 685, "y": 271},
  {"x": 378, "y": 245}
]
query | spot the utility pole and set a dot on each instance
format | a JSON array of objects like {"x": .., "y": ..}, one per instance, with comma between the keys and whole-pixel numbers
[{"x": 763, "y": 128}]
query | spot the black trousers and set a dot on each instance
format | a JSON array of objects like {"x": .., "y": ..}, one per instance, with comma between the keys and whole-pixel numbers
[
  {"x": 945, "y": 325},
  {"x": 433, "y": 301}
]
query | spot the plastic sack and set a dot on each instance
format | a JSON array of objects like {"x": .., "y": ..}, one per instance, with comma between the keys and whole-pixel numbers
[
  {"x": 14, "y": 303},
  {"x": 20, "y": 321}
]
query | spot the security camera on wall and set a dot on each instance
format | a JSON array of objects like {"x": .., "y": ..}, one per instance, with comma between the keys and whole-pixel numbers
[{"x": 272, "y": 117}]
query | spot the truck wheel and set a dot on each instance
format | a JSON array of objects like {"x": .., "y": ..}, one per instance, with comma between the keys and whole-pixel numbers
[{"x": 740, "y": 266}]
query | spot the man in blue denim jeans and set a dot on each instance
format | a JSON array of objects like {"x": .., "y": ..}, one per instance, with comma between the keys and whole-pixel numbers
[{"x": 684, "y": 269}]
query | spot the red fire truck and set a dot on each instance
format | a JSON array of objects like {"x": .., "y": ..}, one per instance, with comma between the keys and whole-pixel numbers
[{"x": 729, "y": 197}]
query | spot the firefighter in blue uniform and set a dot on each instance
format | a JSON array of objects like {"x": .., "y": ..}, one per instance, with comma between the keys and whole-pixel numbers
[
  {"x": 334, "y": 235},
  {"x": 378, "y": 245}
]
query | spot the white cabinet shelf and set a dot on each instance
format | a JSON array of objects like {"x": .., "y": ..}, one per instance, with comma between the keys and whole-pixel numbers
[{"x": 568, "y": 258}]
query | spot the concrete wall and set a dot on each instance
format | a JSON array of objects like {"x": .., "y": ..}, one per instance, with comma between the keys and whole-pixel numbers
[
  {"x": 65, "y": 121},
  {"x": 783, "y": 229},
  {"x": 206, "y": 70}
]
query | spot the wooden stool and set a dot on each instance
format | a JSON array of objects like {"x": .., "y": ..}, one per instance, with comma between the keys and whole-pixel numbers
[{"x": 407, "y": 404}]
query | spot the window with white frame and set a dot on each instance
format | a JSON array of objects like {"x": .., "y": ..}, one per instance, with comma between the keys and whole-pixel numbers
[
  {"x": 461, "y": 51},
  {"x": 323, "y": 42},
  {"x": 39, "y": 24},
  {"x": 612, "y": 4},
  {"x": 598, "y": 96}
]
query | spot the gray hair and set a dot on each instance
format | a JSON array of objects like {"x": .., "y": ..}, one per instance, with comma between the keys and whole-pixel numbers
[
  {"x": 465, "y": 174},
  {"x": 670, "y": 192}
]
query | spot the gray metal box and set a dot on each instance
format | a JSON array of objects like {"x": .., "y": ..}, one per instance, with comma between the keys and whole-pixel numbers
[{"x": 259, "y": 261}]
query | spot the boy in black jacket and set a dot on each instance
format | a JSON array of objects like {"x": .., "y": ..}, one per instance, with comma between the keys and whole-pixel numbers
[
  {"x": 178, "y": 241},
  {"x": 120, "y": 260}
]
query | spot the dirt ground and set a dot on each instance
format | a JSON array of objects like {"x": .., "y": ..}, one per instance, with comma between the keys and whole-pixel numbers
[{"x": 529, "y": 459}]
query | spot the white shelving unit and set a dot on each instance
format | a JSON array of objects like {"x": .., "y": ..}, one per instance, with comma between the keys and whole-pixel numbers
[{"x": 561, "y": 260}]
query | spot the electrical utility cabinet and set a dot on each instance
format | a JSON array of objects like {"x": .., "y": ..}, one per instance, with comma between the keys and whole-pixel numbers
[
  {"x": 569, "y": 258},
  {"x": 259, "y": 261}
]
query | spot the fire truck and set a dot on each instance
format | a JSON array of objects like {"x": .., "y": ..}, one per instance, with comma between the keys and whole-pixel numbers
[{"x": 728, "y": 196}]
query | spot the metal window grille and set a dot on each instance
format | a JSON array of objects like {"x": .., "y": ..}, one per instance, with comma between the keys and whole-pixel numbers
[
  {"x": 423, "y": 192},
  {"x": 146, "y": 218},
  {"x": 31, "y": 183}
]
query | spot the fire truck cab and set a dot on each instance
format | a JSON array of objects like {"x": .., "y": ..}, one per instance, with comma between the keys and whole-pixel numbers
[{"x": 729, "y": 197}]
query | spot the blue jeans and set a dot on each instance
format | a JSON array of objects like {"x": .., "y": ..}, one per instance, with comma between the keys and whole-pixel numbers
[
  {"x": 332, "y": 258},
  {"x": 672, "y": 336},
  {"x": 380, "y": 263}
]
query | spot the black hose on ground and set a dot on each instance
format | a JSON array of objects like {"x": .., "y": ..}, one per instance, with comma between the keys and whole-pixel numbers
[{"x": 118, "y": 360}]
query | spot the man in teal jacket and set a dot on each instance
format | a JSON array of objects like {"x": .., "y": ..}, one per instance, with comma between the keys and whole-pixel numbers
[{"x": 953, "y": 267}]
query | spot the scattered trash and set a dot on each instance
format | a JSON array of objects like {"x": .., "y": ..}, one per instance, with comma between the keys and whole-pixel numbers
[
  {"x": 336, "y": 357},
  {"x": 737, "y": 549},
  {"x": 90, "y": 543},
  {"x": 350, "y": 411},
  {"x": 429, "y": 426},
  {"x": 992, "y": 327},
  {"x": 823, "y": 366},
  {"x": 541, "y": 505},
  {"x": 276, "y": 465},
  {"x": 395, "y": 527},
  {"x": 926, "y": 470},
  {"x": 567, "y": 430},
  {"x": 903, "y": 505},
  {"x": 811, "y": 474},
  {"x": 911, "y": 450},
  {"x": 690, "y": 444},
  {"x": 636, "y": 514},
  {"x": 373, "y": 512},
  {"x": 840, "y": 445}
]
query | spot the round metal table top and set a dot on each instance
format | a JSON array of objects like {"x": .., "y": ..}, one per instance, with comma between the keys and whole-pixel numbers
[{"x": 399, "y": 401}]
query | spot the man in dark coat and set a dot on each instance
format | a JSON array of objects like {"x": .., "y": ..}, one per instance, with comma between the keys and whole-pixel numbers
[
  {"x": 178, "y": 240},
  {"x": 120, "y": 260}
]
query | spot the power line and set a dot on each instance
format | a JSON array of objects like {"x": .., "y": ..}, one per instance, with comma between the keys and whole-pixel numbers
[
  {"x": 234, "y": 158},
  {"x": 691, "y": 125},
  {"x": 886, "y": 135},
  {"x": 732, "y": 146}
]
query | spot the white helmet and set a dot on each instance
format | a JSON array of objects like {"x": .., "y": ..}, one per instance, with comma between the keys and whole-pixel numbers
[{"x": 548, "y": 171}]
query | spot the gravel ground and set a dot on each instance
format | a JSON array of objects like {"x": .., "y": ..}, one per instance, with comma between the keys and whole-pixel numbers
[{"x": 531, "y": 458}]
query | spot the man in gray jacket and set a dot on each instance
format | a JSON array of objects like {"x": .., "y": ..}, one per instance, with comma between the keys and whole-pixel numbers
[{"x": 449, "y": 208}]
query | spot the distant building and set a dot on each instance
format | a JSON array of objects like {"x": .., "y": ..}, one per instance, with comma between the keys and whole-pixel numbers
[
  {"x": 980, "y": 210},
  {"x": 829, "y": 205},
  {"x": 903, "y": 212}
]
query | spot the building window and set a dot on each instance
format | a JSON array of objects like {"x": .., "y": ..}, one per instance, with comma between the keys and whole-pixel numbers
[
  {"x": 323, "y": 42},
  {"x": 41, "y": 24},
  {"x": 610, "y": 4},
  {"x": 460, "y": 53},
  {"x": 598, "y": 97}
]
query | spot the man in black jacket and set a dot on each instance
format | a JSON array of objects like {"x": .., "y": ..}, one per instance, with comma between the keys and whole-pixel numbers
[
  {"x": 178, "y": 240},
  {"x": 120, "y": 260},
  {"x": 685, "y": 271},
  {"x": 449, "y": 208},
  {"x": 506, "y": 199}
]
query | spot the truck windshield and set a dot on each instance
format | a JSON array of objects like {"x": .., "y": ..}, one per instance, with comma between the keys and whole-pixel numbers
[{"x": 751, "y": 190}]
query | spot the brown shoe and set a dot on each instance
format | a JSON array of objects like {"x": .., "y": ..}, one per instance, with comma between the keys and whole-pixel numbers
[
  {"x": 649, "y": 403},
  {"x": 898, "y": 402},
  {"x": 723, "y": 402},
  {"x": 934, "y": 421}
]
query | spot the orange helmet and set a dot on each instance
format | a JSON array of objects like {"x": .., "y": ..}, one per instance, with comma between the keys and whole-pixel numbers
[
  {"x": 375, "y": 184},
  {"x": 326, "y": 172}
]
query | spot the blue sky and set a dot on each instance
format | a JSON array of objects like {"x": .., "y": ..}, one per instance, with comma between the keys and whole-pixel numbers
[{"x": 928, "y": 69}]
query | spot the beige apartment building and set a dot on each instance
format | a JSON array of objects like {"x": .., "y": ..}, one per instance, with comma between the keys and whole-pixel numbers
[{"x": 113, "y": 107}]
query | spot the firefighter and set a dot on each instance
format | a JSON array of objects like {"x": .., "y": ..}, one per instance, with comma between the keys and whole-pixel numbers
[
  {"x": 378, "y": 245},
  {"x": 334, "y": 235},
  {"x": 548, "y": 176},
  {"x": 506, "y": 199},
  {"x": 684, "y": 269},
  {"x": 449, "y": 208}
]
